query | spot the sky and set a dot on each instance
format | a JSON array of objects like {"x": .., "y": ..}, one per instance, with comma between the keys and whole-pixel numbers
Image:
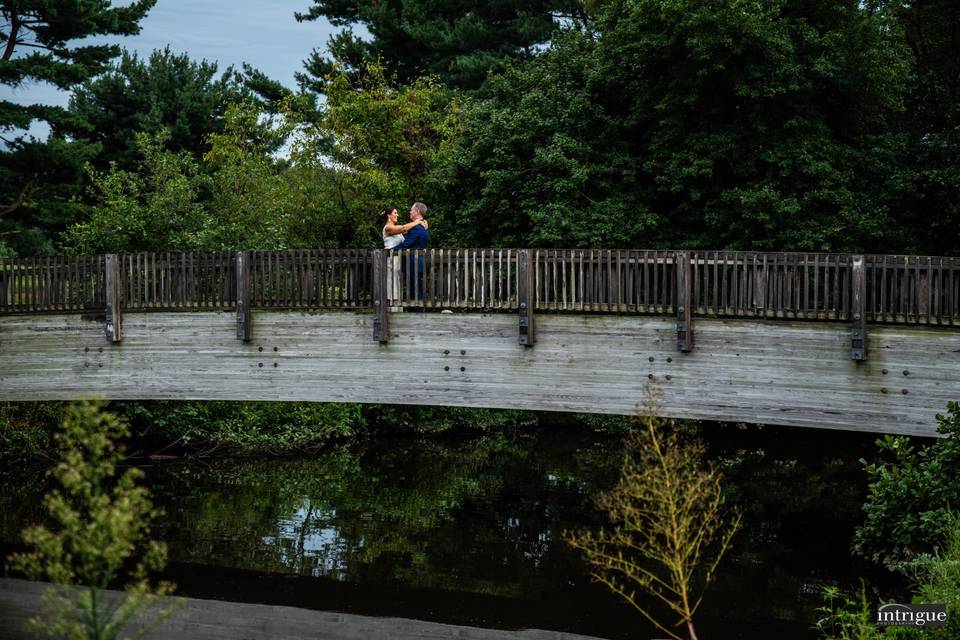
[{"x": 263, "y": 33}]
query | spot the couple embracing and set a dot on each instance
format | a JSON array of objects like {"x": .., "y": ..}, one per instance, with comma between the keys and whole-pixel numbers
[{"x": 413, "y": 235}]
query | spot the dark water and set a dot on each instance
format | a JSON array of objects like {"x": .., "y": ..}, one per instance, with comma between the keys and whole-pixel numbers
[{"x": 468, "y": 530}]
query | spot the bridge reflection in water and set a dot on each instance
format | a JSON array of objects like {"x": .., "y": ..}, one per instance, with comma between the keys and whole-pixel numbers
[{"x": 823, "y": 340}]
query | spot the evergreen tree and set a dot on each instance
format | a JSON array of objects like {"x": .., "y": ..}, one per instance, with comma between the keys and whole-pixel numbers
[
  {"x": 38, "y": 179},
  {"x": 461, "y": 42},
  {"x": 166, "y": 91}
]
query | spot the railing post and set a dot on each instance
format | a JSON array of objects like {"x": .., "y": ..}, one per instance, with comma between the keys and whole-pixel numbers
[
  {"x": 244, "y": 318},
  {"x": 526, "y": 297},
  {"x": 381, "y": 330},
  {"x": 858, "y": 316},
  {"x": 760, "y": 286},
  {"x": 112, "y": 324},
  {"x": 681, "y": 265}
]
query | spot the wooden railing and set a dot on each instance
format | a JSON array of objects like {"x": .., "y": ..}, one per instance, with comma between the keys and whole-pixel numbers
[{"x": 814, "y": 286}]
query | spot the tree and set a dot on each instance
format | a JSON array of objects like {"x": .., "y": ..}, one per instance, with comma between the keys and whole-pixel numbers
[
  {"x": 543, "y": 162},
  {"x": 166, "y": 91},
  {"x": 39, "y": 179},
  {"x": 100, "y": 525},
  {"x": 666, "y": 512},
  {"x": 383, "y": 139},
  {"x": 459, "y": 42},
  {"x": 739, "y": 124},
  {"x": 156, "y": 206},
  {"x": 927, "y": 188}
]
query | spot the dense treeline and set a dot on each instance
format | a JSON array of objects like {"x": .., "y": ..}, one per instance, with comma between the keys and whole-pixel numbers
[{"x": 801, "y": 125}]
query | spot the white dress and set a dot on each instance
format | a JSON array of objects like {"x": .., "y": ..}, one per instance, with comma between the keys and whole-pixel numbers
[
  {"x": 393, "y": 266},
  {"x": 391, "y": 242}
]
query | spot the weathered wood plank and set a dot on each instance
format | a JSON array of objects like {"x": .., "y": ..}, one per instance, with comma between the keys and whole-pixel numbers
[
  {"x": 684, "y": 298},
  {"x": 112, "y": 324},
  {"x": 381, "y": 303},
  {"x": 244, "y": 324},
  {"x": 858, "y": 316},
  {"x": 526, "y": 292},
  {"x": 581, "y": 363}
]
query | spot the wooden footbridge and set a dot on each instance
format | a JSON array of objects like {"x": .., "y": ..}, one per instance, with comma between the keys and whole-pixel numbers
[{"x": 863, "y": 342}]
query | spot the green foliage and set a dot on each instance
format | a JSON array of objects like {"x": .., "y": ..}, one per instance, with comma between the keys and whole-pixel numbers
[
  {"x": 383, "y": 140},
  {"x": 543, "y": 162},
  {"x": 252, "y": 203},
  {"x": 937, "y": 581},
  {"x": 157, "y": 207},
  {"x": 243, "y": 427},
  {"x": 26, "y": 429},
  {"x": 429, "y": 419},
  {"x": 847, "y": 617},
  {"x": 39, "y": 180},
  {"x": 459, "y": 42},
  {"x": 165, "y": 93},
  {"x": 928, "y": 180},
  {"x": 740, "y": 124},
  {"x": 911, "y": 494},
  {"x": 99, "y": 528},
  {"x": 372, "y": 143}
]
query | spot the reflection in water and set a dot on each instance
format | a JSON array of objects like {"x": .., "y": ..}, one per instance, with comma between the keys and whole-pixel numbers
[
  {"x": 474, "y": 526},
  {"x": 308, "y": 549}
]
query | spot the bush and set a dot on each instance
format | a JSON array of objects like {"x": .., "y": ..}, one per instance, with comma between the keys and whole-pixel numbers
[
  {"x": 911, "y": 496},
  {"x": 238, "y": 427},
  {"x": 937, "y": 581},
  {"x": 26, "y": 429},
  {"x": 420, "y": 420},
  {"x": 99, "y": 526}
]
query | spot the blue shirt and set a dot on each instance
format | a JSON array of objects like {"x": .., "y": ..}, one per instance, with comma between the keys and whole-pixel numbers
[{"x": 416, "y": 238}]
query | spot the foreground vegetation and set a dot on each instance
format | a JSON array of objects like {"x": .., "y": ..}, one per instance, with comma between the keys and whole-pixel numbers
[
  {"x": 98, "y": 536},
  {"x": 668, "y": 527}
]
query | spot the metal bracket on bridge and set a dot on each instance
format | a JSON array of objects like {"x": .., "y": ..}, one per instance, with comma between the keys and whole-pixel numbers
[
  {"x": 113, "y": 317},
  {"x": 858, "y": 316},
  {"x": 381, "y": 327},
  {"x": 244, "y": 319},
  {"x": 526, "y": 298},
  {"x": 681, "y": 263}
]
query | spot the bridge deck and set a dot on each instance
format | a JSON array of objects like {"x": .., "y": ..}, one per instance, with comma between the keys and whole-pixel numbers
[{"x": 780, "y": 373}]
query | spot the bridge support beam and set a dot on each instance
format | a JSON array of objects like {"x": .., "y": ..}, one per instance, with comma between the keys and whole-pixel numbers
[
  {"x": 113, "y": 318},
  {"x": 684, "y": 301},
  {"x": 526, "y": 298},
  {"x": 858, "y": 304},
  {"x": 244, "y": 324}
]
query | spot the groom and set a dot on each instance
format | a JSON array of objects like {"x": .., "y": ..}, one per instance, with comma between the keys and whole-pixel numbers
[{"x": 419, "y": 236}]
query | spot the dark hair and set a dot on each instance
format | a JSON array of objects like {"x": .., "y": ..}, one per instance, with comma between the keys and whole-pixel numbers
[{"x": 385, "y": 212}]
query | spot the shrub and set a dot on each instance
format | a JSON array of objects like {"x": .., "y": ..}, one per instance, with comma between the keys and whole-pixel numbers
[
  {"x": 669, "y": 527},
  {"x": 911, "y": 495},
  {"x": 100, "y": 523}
]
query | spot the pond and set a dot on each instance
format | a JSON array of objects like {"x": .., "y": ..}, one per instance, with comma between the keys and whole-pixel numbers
[{"x": 468, "y": 530}]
